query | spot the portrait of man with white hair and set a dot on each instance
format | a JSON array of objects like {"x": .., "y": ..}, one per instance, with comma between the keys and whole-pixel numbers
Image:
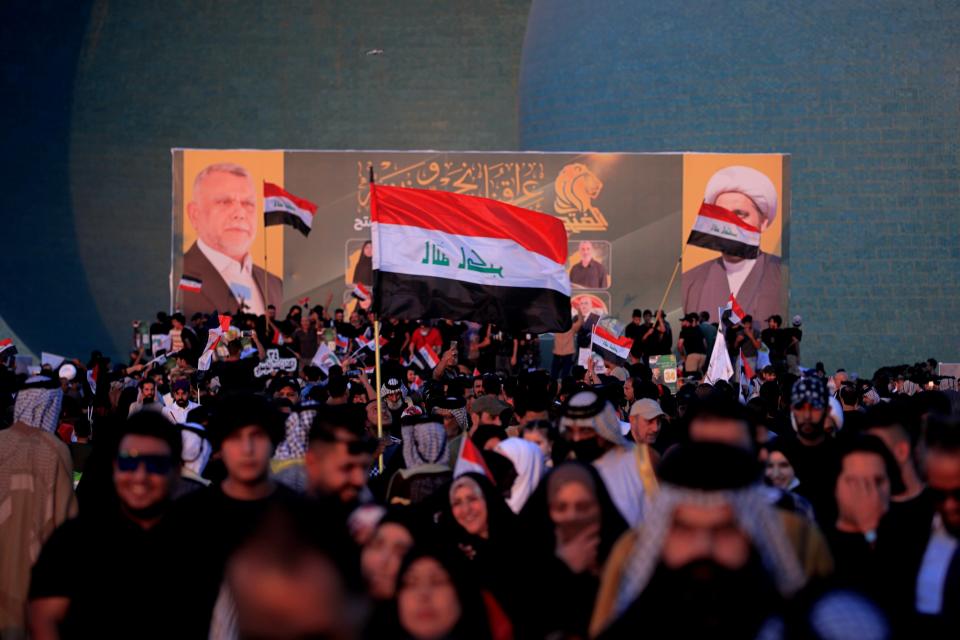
[
  {"x": 755, "y": 282},
  {"x": 223, "y": 211}
]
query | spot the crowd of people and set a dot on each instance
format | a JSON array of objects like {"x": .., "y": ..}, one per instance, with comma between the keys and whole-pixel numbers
[{"x": 488, "y": 494}]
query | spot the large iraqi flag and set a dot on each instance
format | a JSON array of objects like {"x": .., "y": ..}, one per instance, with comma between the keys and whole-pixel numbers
[
  {"x": 438, "y": 254},
  {"x": 722, "y": 230}
]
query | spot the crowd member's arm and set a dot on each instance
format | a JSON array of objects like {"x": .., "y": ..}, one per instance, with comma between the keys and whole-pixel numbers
[
  {"x": 447, "y": 360},
  {"x": 752, "y": 337},
  {"x": 365, "y": 381},
  {"x": 513, "y": 358},
  {"x": 486, "y": 338},
  {"x": 406, "y": 341},
  {"x": 577, "y": 323},
  {"x": 261, "y": 352}
]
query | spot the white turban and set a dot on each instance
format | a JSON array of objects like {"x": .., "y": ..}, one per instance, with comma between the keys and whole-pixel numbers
[{"x": 750, "y": 182}]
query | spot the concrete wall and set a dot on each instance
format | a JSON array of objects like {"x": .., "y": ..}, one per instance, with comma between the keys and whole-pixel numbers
[
  {"x": 863, "y": 94},
  {"x": 96, "y": 94}
]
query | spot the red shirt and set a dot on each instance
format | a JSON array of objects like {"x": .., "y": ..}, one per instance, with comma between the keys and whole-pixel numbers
[{"x": 433, "y": 339}]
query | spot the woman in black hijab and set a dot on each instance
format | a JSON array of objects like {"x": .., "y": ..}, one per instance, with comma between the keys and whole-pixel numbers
[
  {"x": 437, "y": 598},
  {"x": 569, "y": 527},
  {"x": 478, "y": 522},
  {"x": 363, "y": 272}
]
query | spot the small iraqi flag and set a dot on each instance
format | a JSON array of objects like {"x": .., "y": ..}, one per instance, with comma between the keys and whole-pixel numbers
[
  {"x": 343, "y": 342},
  {"x": 737, "y": 314},
  {"x": 722, "y": 230},
  {"x": 282, "y": 207},
  {"x": 610, "y": 347},
  {"x": 470, "y": 460},
  {"x": 428, "y": 357},
  {"x": 189, "y": 283},
  {"x": 7, "y": 348},
  {"x": 361, "y": 292}
]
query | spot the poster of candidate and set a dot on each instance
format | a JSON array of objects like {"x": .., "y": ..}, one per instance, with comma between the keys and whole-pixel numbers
[{"x": 627, "y": 216}]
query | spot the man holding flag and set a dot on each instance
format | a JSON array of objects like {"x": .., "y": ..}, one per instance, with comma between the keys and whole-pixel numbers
[{"x": 739, "y": 203}]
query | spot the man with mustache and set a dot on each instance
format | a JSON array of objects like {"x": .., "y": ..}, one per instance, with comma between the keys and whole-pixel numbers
[
  {"x": 711, "y": 559},
  {"x": 223, "y": 211}
]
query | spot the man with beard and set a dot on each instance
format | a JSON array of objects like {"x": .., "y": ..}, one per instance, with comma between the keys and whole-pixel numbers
[
  {"x": 339, "y": 454},
  {"x": 811, "y": 450},
  {"x": 711, "y": 559},
  {"x": 177, "y": 412},
  {"x": 81, "y": 583},
  {"x": 590, "y": 429},
  {"x": 146, "y": 398},
  {"x": 393, "y": 395}
]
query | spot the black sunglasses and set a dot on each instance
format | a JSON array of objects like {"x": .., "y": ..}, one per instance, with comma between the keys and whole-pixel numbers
[{"x": 155, "y": 464}]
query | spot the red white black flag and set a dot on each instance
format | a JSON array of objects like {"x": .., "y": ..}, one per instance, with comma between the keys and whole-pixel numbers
[
  {"x": 722, "y": 230},
  {"x": 438, "y": 254},
  {"x": 282, "y": 207},
  {"x": 610, "y": 347}
]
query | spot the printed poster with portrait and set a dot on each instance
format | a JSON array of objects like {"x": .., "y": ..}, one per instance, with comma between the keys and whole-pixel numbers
[{"x": 626, "y": 214}]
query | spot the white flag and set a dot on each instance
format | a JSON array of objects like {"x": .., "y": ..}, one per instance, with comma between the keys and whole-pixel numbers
[
  {"x": 720, "y": 366},
  {"x": 51, "y": 359},
  {"x": 206, "y": 358},
  {"x": 324, "y": 358}
]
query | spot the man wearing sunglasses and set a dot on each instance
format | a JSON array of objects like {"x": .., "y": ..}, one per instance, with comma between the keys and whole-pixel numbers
[
  {"x": 81, "y": 583},
  {"x": 339, "y": 454}
]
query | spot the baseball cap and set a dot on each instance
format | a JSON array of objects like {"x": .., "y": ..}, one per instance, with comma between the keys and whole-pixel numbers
[
  {"x": 489, "y": 404},
  {"x": 646, "y": 408}
]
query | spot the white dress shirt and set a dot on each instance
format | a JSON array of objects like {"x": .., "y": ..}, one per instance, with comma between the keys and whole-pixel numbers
[
  {"x": 934, "y": 568},
  {"x": 238, "y": 276}
]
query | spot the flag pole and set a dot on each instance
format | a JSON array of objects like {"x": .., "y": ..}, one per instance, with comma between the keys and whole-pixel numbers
[
  {"x": 666, "y": 293},
  {"x": 266, "y": 269},
  {"x": 376, "y": 356}
]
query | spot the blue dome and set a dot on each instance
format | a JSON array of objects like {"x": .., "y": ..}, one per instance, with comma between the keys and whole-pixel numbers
[{"x": 863, "y": 95}]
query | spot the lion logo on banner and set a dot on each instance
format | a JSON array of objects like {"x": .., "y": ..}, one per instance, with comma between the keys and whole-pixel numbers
[{"x": 576, "y": 187}]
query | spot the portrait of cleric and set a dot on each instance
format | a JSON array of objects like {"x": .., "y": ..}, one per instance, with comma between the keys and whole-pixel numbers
[
  {"x": 223, "y": 212},
  {"x": 589, "y": 270},
  {"x": 755, "y": 282}
]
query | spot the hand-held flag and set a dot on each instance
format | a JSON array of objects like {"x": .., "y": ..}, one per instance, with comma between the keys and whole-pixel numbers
[{"x": 438, "y": 254}]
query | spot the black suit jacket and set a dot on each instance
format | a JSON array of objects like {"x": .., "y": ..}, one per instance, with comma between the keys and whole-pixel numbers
[{"x": 215, "y": 294}]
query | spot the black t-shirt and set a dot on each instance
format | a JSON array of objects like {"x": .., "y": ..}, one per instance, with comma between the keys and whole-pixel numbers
[
  {"x": 788, "y": 335},
  {"x": 814, "y": 466},
  {"x": 119, "y": 578},
  {"x": 395, "y": 334},
  {"x": 635, "y": 332},
  {"x": 236, "y": 374},
  {"x": 693, "y": 340},
  {"x": 773, "y": 338},
  {"x": 657, "y": 343},
  {"x": 207, "y": 527}
]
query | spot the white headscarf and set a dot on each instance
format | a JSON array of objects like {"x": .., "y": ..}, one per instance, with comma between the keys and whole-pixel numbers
[{"x": 527, "y": 459}]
